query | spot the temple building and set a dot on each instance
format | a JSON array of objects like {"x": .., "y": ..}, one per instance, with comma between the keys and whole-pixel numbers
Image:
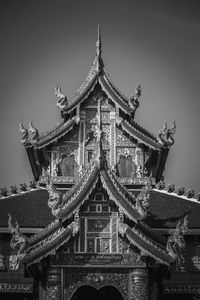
[{"x": 98, "y": 220}]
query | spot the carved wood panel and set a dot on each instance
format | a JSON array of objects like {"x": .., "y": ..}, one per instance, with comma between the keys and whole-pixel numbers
[{"x": 97, "y": 279}]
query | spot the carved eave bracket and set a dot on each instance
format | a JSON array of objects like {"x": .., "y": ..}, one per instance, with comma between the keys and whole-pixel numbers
[
  {"x": 142, "y": 202},
  {"x": 176, "y": 243},
  {"x": 18, "y": 244},
  {"x": 165, "y": 135}
]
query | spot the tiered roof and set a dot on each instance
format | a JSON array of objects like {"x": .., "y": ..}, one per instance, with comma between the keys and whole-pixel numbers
[
  {"x": 65, "y": 207},
  {"x": 97, "y": 74}
]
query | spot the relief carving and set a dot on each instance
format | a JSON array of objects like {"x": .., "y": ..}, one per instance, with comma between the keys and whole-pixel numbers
[{"x": 96, "y": 280}]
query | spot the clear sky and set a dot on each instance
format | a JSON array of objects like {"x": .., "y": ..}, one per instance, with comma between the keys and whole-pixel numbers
[{"x": 153, "y": 42}]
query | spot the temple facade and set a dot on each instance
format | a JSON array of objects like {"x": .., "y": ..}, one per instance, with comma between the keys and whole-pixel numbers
[{"x": 98, "y": 220}]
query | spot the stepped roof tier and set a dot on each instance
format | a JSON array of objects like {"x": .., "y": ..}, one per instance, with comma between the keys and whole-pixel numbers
[
  {"x": 66, "y": 209},
  {"x": 127, "y": 106},
  {"x": 165, "y": 209}
]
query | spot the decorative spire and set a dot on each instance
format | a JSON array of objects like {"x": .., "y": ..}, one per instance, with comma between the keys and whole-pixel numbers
[{"x": 98, "y": 44}]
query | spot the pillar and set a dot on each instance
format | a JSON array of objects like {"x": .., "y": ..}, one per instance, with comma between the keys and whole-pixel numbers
[
  {"x": 52, "y": 289},
  {"x": 139, "y": 284}
]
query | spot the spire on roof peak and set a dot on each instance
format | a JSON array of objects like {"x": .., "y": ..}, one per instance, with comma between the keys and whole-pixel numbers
[{"x": 98, "y": 43}]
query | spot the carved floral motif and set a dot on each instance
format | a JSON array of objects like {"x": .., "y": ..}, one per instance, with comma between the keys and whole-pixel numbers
[{"x": 97, "y": 280}]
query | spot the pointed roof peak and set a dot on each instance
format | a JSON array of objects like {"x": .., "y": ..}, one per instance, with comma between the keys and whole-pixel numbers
[{"x": 98, "y": 43}]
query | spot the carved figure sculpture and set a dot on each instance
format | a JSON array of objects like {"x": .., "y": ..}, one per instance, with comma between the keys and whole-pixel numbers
[
  {"x": 33, "y": 131},
  {"x": 165, "y": 135},
  {"x": 176, "y": 242},
  {"x": 18, "y": 244},
  {"x": 62, "y": 99},
  {"x": 24, "y": 133}
]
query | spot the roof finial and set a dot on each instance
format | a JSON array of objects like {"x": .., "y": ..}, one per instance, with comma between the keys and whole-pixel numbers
[{"x": 98, "y": 44}]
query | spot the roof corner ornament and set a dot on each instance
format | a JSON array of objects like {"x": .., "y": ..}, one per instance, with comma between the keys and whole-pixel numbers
[
  {"x": 142, "y": 201},
  {"x": 176, "y": 242},
  {"x": 34, "y": 132},
  {"x": 62, "y": 102},
  {"x": 134, "y": 100},
  {"x": 18, "y": 244},
  {"x": 24, "y": 133},
  {"x": 165, "y": 135}
]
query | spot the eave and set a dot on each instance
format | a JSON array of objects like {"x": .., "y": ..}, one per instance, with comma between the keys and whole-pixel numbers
[
  {"x": 55, "y": 134},
  {"x": 148, "y": 246},
  {"x": 72, "y": 200},
  {"x": 46, "y": 246},
  {"x": 145, "y": 137}
]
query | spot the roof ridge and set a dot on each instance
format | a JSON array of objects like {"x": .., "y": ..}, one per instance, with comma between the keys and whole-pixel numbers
[
  {"x": 180, "y": 193},
  {"x": 20, "y": 192}
]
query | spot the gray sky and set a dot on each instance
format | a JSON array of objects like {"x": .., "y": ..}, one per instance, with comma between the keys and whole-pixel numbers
[{"x": 153, "y": 42}]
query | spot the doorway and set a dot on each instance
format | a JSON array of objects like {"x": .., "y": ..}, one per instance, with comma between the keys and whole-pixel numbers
[{"x": 87, "y": 292}]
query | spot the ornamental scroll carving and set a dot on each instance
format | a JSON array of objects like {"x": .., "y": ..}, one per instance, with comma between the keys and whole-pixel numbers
[{"x": 97, "y": 280}]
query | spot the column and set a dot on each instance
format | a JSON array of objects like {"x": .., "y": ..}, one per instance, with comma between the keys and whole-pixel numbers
[
  {"x": 52, "y": 291},
  {"x": 139, "y": 284}
]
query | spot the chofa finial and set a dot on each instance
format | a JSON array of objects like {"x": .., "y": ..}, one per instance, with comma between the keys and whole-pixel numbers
[{"x": 98, "y": 43}]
